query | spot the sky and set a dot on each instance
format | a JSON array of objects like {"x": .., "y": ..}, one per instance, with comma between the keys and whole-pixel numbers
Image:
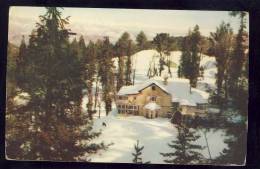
[{"x": 94, "y": 23}]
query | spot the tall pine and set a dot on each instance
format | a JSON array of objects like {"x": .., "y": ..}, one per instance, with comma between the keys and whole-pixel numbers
[
  {"x": 106, "y": 73},
  {"x": 162, "y": 43},
  {"x": 129, "y": 64},
  {"x": 89, "y": 66},
  {"x": 141, "y": 41},
  {"x": 238, "y": 83},
  {"x": 58, "y": 129},
  {"x": 191, "y": 55},
  {"x": 221, "y": 42},
  {"x": 121, "y": 48}
]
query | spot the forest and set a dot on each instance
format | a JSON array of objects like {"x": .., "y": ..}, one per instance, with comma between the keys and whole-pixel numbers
[{"x": 54, "y": 70}]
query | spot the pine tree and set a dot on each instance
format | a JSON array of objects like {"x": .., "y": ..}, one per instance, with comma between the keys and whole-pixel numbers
[
  {"x": 74, "y": 47},
  {"x": 20, "y": 61},
  {"x": 185, "y": 152},
  {"x": 53, "y": 81},
  {"x": 15, "y": 121},
  {"x": 162, "y": 45},
  {"x": 142, "y": 42},
  {"x": 121, "y": 48},
  {"x": 185, "y": 60},
  {"x": 221, "y": 42},
  {"x": 237, "y": 83},
  {"x": 82, "y": 50},
  {"x": 89, "y": 66},
  {"x": 128, "y": 71},
  {"x": 137, "y": 154},
  {"x": 195, "y": 40},
  {"x": 236, "y": 141},
  {"x": 191, "y": 55},
  {"x": 106, "y": 73}
]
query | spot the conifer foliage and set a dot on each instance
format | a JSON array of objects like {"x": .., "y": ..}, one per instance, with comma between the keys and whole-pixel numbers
[
  {"x": 221, "y": 42},
  {"x": 238, "y": 78},
  {"x": 191, "y": 55},
  {"x": 184, "y": 150},
  {"x": 235, "y": 153},
  {"x": 88, "y": 61},
  {"x": 138, "y": 153},
  {"x": 106, "y": 72},
  {"x": 162, "y": 43},
  {"x": 51, "y": 76},
  {"x": 141, "y": 41}
]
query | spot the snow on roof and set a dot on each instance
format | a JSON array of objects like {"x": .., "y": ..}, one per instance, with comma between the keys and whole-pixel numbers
[
  {"x": 135, "y": 89},
  {"x": 152, "y": 106},
  {"x": 177, "y": 87}
]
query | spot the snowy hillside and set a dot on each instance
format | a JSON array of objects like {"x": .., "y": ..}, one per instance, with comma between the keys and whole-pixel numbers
[{"x": 142, "y": 60}]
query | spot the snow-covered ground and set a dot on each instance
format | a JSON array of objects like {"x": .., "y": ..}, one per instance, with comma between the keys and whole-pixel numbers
[{"x": 154, "y": 134}]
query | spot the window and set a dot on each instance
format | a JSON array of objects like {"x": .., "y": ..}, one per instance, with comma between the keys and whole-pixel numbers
[
  {"x": 153, "y": 88},
  {"x": 122, "y": 97},
  {"x": 201, "y": 106},
  {"x": 132, "y": 109},
  {"x": 153, "y": 98}
]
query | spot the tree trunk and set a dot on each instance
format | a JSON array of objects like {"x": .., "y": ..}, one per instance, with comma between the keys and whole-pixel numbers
[
  {"x": 134, "y": 77},
  {"x": 96, "y": 94},
  {"x": 90, "y": 101}
]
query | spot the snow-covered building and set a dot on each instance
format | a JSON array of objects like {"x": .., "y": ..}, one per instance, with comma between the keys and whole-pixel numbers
[{"x": 156, "y": 97}]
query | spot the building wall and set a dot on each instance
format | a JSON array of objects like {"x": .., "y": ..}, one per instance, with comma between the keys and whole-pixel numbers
[
  {"x": 192, "y": 110},
  {"x": 162, "y": 98}
]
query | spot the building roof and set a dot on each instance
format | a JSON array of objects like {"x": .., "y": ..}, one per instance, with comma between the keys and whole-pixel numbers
[
  {"x": 178, "y": 88},
  {"x": 135, "y": 89}
]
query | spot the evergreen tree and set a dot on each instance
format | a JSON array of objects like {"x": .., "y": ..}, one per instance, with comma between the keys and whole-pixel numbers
[
  {"x": 185, "y": 152},
  {"x": 15, "y": 121},
  {"x": 53, "y": 81},
  {"x": 121, "y": 48},
  {"x": 237, "y": 62},
  {"x": 106, "y": 73},
  {"x": 128, "y": 71},
  {"x": 191, "y": 55},
  {"x": 236, "y": 141},
  {"x": 137, "y": 154},
  {"x": 74, "y": 47},
  {"x": 82, "y": 49},
  {"x": 162, "y": 45},
  {"x": 20, "y": 61},
  {"x": 89, "y": 65},
  {"x": 141, "y": 41},
  {"x": 185, "y": 60},
  {"x": 195, "y": 48},
  {"x": 221, "y": 42}
]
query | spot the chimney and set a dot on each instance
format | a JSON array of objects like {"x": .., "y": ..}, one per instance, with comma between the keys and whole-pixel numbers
[{"x": 165, "y": 82}]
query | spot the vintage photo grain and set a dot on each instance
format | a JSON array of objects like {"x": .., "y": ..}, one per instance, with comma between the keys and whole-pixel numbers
[{"x": 127, "y": 85}]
